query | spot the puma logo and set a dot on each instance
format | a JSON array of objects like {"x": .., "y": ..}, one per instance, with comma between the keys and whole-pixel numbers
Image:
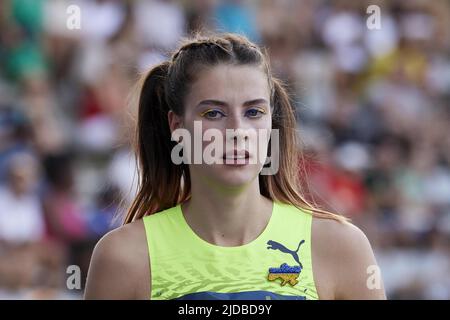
[{"x": 278, "y": 246}]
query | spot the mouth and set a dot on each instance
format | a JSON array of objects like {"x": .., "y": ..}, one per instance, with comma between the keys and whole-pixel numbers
[{"x": 236, "y": 157}]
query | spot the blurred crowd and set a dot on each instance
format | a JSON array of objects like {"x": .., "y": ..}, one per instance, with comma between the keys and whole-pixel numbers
[{"x": 373, "y": 108}]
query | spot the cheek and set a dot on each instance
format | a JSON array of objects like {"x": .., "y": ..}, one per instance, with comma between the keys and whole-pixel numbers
[{"x": 264, "y": 129}]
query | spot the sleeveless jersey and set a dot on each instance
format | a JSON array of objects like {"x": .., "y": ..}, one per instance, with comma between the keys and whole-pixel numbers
[{"x": 276, "y": 265}]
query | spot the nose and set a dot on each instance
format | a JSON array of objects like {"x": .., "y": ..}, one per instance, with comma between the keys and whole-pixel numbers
[
  {"x": 237, "y": 129},
  {"x": 238, "y": 135},
  {"x": 235, "y": 120}
]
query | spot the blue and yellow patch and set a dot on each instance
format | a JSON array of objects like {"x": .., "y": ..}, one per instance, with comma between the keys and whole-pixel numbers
[{"x": 286, "y": 273}]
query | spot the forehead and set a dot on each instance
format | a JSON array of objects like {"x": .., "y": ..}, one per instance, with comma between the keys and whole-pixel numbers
[{"x": 229, "y": 83}]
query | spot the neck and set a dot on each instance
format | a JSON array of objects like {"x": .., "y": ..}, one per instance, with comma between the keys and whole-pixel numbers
[{"x": 227, "y": 217}]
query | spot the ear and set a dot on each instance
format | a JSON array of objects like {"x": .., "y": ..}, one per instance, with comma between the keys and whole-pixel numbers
[{"x": 175, "y": 121}]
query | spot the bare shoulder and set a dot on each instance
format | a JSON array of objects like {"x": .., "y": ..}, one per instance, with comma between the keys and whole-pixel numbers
[
  {"x": 338, "y": 235},
  {"x": 345, "y": 256},
  {"x": 118, "y": 264}
]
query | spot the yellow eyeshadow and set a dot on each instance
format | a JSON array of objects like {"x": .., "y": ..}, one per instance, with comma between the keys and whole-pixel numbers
[{"x": 205, "y": 112}]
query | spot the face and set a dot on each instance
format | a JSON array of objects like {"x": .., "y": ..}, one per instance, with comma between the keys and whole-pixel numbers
[
  {"x": 22, "y": 177},
  {"x": 234, "y": 102}
]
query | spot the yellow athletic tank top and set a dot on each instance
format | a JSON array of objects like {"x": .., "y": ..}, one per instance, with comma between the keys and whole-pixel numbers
[{"x": 276, "y": 265}]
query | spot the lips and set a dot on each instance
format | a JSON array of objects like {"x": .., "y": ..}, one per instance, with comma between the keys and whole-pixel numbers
[{"x": 236, "y": 155}]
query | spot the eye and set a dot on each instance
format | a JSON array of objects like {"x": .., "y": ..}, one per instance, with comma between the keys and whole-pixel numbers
[
  {"x": 212, "y": 114},
  {"x": 255, "y": 112}
]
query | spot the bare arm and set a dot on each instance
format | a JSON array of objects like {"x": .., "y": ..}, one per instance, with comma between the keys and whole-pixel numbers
[
  {"x": 118, "y": 269},
  {"x": 344, "y": 262},
  {"x": 357, "y": 273}
]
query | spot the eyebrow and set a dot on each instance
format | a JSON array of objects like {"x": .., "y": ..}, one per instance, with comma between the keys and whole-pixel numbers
[{"x": 224, "y": 104}]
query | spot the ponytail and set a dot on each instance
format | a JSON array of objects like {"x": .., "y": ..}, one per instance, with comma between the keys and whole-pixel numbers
[{"x": 159, "y": 182}]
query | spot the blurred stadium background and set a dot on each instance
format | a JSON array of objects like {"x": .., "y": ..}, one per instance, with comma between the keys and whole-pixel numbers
[{"x": 373, "y": 105}]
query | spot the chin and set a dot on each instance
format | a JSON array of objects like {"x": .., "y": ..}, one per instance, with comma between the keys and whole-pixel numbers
[{"x": 236, "y": 176}]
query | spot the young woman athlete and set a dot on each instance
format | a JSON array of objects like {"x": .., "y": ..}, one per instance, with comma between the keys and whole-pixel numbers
[{"x": 200, "y": 230}]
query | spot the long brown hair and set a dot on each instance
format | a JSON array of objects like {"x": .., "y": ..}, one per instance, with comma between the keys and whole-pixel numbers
[{"x": 163, "y": 184}]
